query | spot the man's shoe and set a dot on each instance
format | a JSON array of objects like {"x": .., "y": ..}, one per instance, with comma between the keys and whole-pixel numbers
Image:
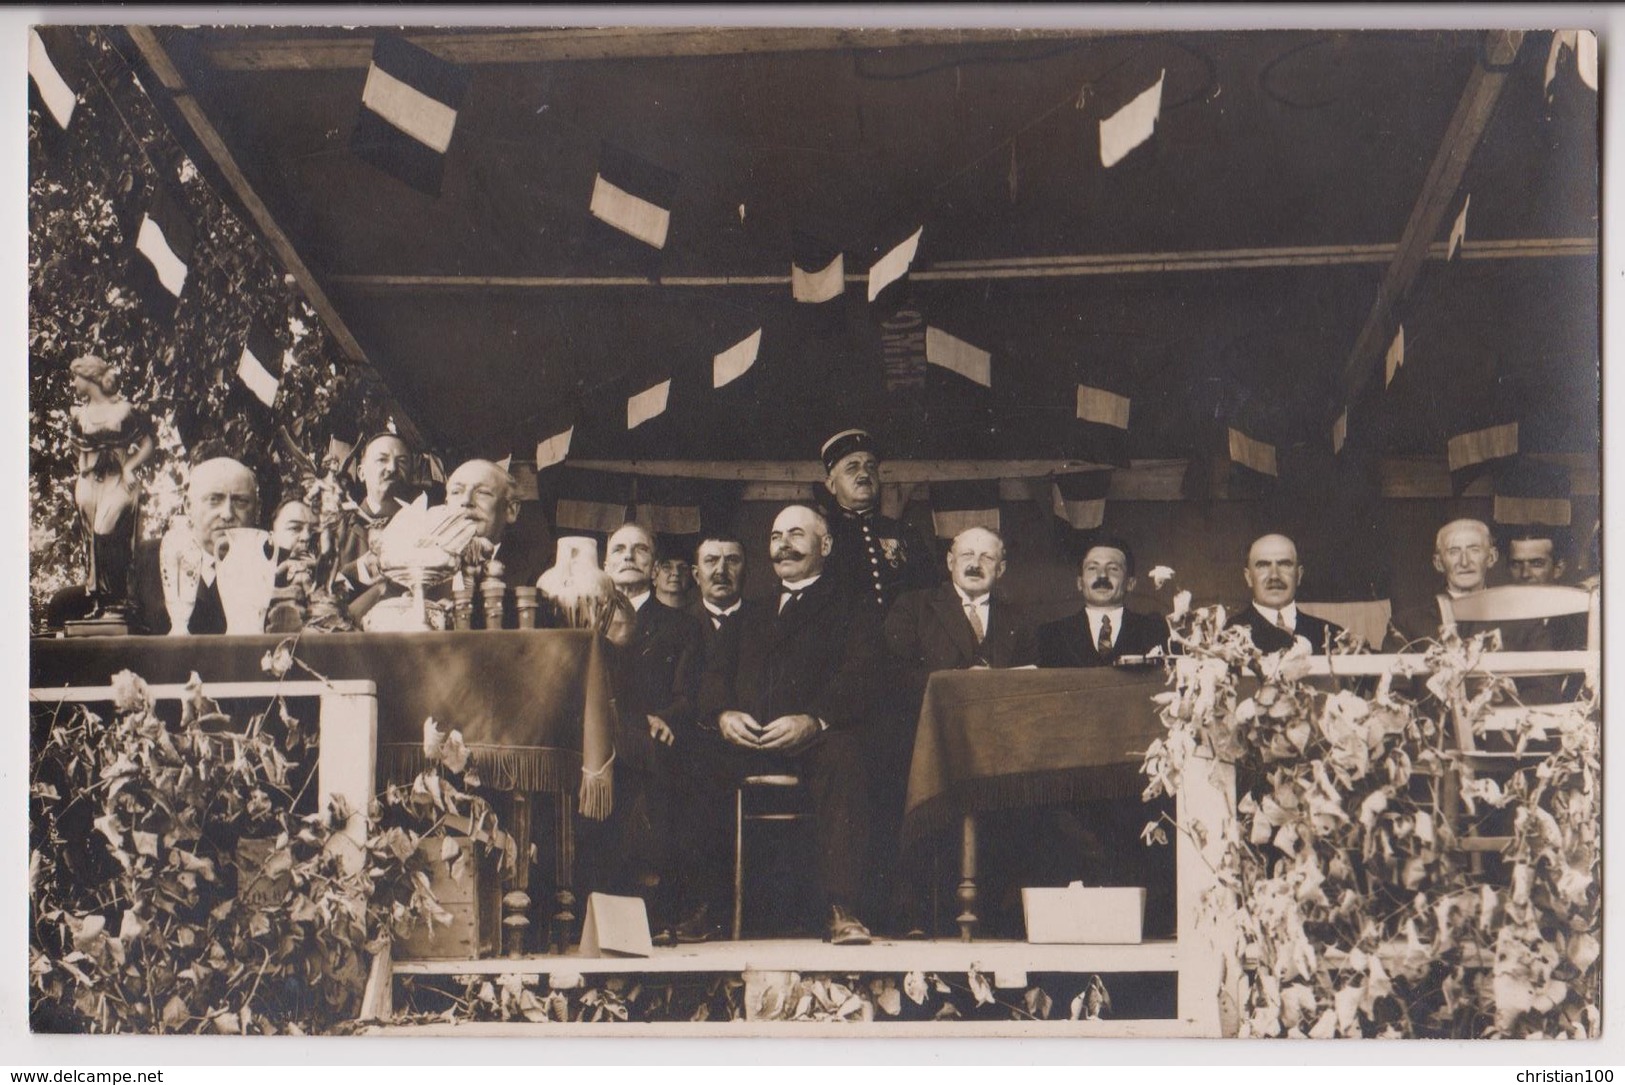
[
  {"x": 698, "y": 927},
  {"x": 845, "y": 930}
]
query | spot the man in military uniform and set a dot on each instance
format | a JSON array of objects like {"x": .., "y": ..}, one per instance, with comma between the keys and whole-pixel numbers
[{"x": 876, "y": 557}]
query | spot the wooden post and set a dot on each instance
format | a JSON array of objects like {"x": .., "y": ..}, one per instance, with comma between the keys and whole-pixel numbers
[
  {"x": 346, "y": 764},
  {"x": 1207, "y": 798},
  {"x": 967, "y": 879}
]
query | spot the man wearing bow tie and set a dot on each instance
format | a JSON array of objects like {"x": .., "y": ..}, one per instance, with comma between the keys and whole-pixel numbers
[
  {"x": 795, "y": 696},
  {"x": 876, "y": 557},
  {"x": 1273, "y": 574},
  {"x": 176, "y": 582},
  {"x": 1105, "y": 630}
]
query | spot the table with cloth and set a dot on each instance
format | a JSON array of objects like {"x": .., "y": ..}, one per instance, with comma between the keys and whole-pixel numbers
[
  {"x": 534, "y": 706},
  {"x": 999, "y": 739}
]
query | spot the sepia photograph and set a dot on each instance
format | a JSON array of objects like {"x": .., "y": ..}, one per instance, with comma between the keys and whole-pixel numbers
[{"x": 813, "y": 531}]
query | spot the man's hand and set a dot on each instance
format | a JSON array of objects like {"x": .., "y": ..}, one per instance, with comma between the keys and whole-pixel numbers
[
  {"x": 740, "y": 729},
  {"x": 660, "y": 732},
  {"x": 789, "y": 732}
]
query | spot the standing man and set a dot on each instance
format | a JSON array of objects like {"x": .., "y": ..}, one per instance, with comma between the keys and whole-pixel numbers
[
  {"x": 1105, "y": 630},
  {"x": 800, "y": 691},
  {"x": 1273, "y": 574},
  {"x": 385, "y": 467},
  {"x": 874, "y": 556},
  {"x": 175, "y": 584}
]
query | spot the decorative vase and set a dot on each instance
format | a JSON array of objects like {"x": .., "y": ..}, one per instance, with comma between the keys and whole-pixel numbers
[
  {"x": 575, "y": 589},
  {"x": 246, "y": 576}
]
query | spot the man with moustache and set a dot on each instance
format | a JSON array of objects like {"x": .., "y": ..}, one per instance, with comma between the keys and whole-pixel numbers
[
  {"x": 1464, "y": 553},
  {"x": 385, "y": 467},
  {"x": 176, "y": 586},
  {"x": 664, "y": 651},
  {"x": 719, "y": 573},
  {"x": 1105, "y": 630},
  {"x": 876, "y": 557},
  {"x": 1273, "y": 619},
  {"x": 795, "y": 697}
]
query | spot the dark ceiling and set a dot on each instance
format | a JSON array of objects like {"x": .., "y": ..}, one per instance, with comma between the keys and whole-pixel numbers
[{"x": 1315, "y": 142}]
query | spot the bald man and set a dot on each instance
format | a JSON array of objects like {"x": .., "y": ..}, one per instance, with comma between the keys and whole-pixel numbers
[
  {"x": 175, "y": 578},
  {"x": 1273, "y": 574}
]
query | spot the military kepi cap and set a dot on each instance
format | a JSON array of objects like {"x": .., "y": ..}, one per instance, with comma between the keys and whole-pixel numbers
[{"x": 846, "y": 442}]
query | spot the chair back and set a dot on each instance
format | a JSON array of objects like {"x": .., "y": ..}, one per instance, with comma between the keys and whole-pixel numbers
[{"x": 1519, "y": 602}]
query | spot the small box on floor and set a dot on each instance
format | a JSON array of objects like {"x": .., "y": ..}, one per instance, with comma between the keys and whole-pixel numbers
[{"x": 1081, "y": 916}]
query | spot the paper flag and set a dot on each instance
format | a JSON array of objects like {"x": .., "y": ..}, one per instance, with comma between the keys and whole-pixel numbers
[
  {"x": 633, "y": 195},
  {"x": 253, "y": 366},
  {"x": 894, "y": 265},
  {"x": 553, "y": 450},
  {"x": 733, "y": 363},
  {"x": 1102, "y": 407},
  {"x": 1586, "y": 58},
  {"x": 817, "y": 269},
  {"x": 1080, "y": 498},
  {"x": 409, "y": 112},
  {"x": 1396, "y": 355},
  {"x": 1340, "y": 431},
  {"x": 958, "y": 356},
  {"x": 1132, "y": 125},
  {"x": 1247, "y": 452},
  {"x": 1481, "y": 446},
  {"x": 165, "y": 238},
  {"x": 647, "y": 404},
  {"x": 1458, "y": 232},
  {"x": 578, "y": 515},
  {"x": 53, "y": 89}
]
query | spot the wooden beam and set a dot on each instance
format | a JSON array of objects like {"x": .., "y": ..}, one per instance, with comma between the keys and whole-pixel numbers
[
  {"x": 1438, "y": 197},
  {"x": 255, "y": 51},
  {"x": 1044, "y": 267},
  {"x": 157, "y": 59}
]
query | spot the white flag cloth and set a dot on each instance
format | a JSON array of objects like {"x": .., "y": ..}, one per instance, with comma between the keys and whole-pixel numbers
[
  {"x": 1102, "y": 407},
  {"x": 1396, "y": 355},
  {"x": 1340, "y": 431},
  {"x": 647, "y": 404},
  {"x": 1483, "y": 445},
  {"x": 1084, "y": 515},
  {"x": 53, "y": 89},
  {"x": 152, "y": 244},
  {"x": 425, "y": 119},
  {"x": 630, "y": 214},
  {"x": 1132, "y": 125},
  {"x": 953, "y": 354},
  {"x": 894, "y": 265},
  {"x": 259, "y": 380},
  {"x": 553, "y": 450},
  {"x": 734, "y": 362},
  {"x": 819, "y": 286},
  {"x": 1252, "y": 453},
  {"x": 1458, "y": 232}
]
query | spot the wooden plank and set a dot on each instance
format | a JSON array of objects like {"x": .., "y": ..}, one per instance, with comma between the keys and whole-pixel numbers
[
  {"x": 258, "y": 51},
  {"x": 898, "y": 472},
  {"x": 270, "y": 687},
  {"x": 1171, "y": 1029},
  {"x": 158, "y": 59},
  {"x": 1439, "y": 196}
]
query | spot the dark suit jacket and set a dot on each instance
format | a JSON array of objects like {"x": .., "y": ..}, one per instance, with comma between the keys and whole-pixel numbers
[
  {"x": 721, "y": 644},
  {"x": 820, "y": 657},
  {"x": 664, "y": 661},
  {"x": 929, "y": 631},
  {"x": 1269, "y": 638},
  {"x": 148, "y": 612},
  {"x": 1067, "y": 642}
]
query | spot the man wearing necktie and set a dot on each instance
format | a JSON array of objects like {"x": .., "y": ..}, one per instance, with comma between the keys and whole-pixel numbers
[
  {"x": 795, "y": 697},
  {"x": 1105, "y": 630},
  {"x": 176, "y": 578},
  {"x": 1273, "y": 618},
  {"x": 876, "y": 557}
]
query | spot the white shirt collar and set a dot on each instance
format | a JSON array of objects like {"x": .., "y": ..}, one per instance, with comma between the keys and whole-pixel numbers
[
  {"x": 966, "y": 601},
  {"x": 800, "y": 585},
  {"x": 1288, "y": 613},
  {"x": 1093, "y": 615},
  {"x": 718, "y": 611},
  {"x": 637, "y": 601}
]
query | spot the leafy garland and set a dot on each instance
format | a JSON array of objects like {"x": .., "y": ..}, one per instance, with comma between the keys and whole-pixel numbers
[{"x": 1352, "y": 910}]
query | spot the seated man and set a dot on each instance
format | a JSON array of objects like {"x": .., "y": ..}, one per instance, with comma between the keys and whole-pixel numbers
[
  {"x": 291, "y": 551},
  {"x": 793, "y": 698},
  {"x": 1105, "y": 630},
  {"x": 1273, "y": 574},
  {"x": 1464, "y": 553},
  {"x": 719, "y": 573},
  {"x": 175, "y": 577},
  {"x": 385, "y": 467}
]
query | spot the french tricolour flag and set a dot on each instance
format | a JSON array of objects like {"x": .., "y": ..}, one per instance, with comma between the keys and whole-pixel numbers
[{"x": 408, "y": 112}]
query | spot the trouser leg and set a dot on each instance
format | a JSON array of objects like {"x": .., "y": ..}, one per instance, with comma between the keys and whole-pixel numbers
[{"x": 835, "y": 776}]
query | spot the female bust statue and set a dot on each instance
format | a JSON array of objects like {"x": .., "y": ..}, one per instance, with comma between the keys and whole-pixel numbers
[{"x": 114, "y": 440}]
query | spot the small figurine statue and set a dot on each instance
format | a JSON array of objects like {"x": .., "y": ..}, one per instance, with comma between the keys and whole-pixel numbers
[{"x": 114, "y": 439}]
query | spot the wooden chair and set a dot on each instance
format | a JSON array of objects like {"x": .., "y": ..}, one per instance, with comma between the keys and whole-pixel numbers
[{"x": 741, "y": 815}]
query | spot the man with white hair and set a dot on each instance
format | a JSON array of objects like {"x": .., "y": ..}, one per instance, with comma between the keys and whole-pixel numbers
[
  {"x": 1464, "y": 553},
  {"x": 175, "y": 581}
]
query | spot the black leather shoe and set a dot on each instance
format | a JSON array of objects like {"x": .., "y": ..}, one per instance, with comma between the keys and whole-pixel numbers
[
  {"x": 845, "y": 929},
  {"x": 698, "y": 927}
]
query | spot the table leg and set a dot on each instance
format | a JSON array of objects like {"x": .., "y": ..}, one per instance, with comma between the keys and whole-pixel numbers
[
  {"x": 564, "y": 853},
  {"x": 967, "y": 879}
]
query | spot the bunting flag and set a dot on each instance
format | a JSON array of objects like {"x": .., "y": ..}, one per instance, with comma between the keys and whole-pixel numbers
[
  {"x": 1340, "y": 432},
  {"x": 261, "y": 364},
  {"x": 57, "y": 97},
  {"x": 894, "y": 265},
  {"x": 1458, "y": 232},
  {"x": 817, "y": 269},
  {"x": 1101, "y": 430},
  {"x": 647, "y": 404},
  {"x": 1396, "y": 355},
  {"x": 734, "y": 362},
  {"x": 957, "y": 506},
  {"x": 591, "y": 501},
  {"x": 668, "y": 508},
  {"x": 338, "y": 452},
  {"x": 1253, "y": 454},
  {"x": 164, "y": 241},
  {"x": 633, "y": 195},
  {"x": 408, "y": 112},
  {"x": 1581, "y": 43},
  {"x": 553, "y": 450},
  {"x": 1079, "y": 498},
  {"x": 1472, "y": 451},
  {"x": 506, "y": 462},
  {"x": 1534, "y": 492},
  {"x": 957, "y": 356},
  {"x": 1132, "y": 125}
]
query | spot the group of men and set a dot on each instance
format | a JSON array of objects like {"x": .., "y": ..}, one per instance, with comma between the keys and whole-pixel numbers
[{"x": 823, "y": 678}]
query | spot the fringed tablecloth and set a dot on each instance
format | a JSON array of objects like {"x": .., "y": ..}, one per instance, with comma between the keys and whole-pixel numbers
[{"x": 990, "y": 740}]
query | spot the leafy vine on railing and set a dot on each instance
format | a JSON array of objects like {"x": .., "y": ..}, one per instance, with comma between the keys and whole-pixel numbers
[{"x": 1342, "y": 889}]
